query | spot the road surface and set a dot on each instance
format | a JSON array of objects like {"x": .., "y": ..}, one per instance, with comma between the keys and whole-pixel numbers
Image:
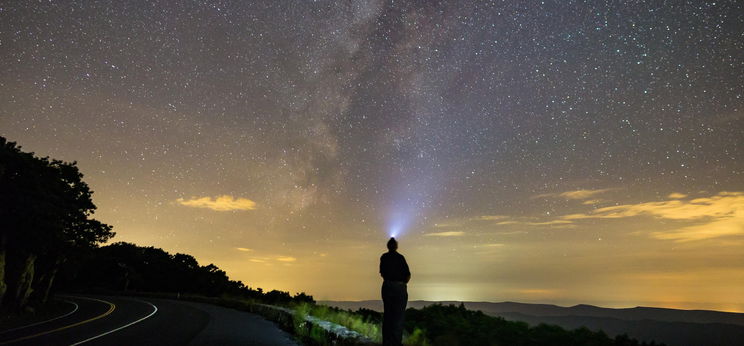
[{"x": 105, "y": 320}]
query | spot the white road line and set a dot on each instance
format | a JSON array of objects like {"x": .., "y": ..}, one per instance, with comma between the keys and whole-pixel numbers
[
  {"x": 112, "y": 307},
  {"x": 154, "y": 310},
  {"x": 49, "y": 320}
]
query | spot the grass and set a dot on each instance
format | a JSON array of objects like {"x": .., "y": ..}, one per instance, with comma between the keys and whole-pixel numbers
[
  {"x": 348, "y": 319},
  {"x": 364, "y": 325}
]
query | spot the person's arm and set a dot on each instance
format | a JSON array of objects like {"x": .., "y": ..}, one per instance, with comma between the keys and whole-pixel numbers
[
  {"x": 381, "y": 274},
  {"x": 408, "y": 271}
]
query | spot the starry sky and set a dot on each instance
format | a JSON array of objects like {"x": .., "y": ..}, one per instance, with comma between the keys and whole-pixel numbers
[{"x": 537, "y": 151}]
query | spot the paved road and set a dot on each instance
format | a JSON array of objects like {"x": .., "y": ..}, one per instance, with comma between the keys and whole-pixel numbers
[{"x": 104, "y": 320}]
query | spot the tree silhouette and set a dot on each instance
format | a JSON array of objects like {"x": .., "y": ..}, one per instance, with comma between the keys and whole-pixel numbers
[
  {"x": 45, "y": 215},
  {"x": 124, "y": 266}
]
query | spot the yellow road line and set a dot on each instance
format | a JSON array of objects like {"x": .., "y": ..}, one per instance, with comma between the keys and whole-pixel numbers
[
  {"x": 75, "y": 308},
  {"x": 112, "y": 306}
]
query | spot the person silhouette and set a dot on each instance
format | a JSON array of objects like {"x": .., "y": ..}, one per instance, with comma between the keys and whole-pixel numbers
[{"x": 395, "y": 274}]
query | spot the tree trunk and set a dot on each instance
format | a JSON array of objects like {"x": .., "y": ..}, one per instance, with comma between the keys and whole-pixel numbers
[
  {"x": 3, "y": 285},
  {"x": 45, "y": 282},
  {"x": 23, "y": 288}
]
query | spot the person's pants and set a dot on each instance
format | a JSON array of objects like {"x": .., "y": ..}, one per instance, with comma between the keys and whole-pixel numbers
[{"x": 395, "y": 298}]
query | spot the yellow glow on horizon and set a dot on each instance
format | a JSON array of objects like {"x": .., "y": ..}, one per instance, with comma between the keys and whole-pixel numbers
[{"x": 497, "y": 257}]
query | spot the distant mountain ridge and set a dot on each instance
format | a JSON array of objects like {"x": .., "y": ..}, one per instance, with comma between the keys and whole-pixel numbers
[
  {"x": 636, "y": 313},
  {"x": 671, "y": 326}
]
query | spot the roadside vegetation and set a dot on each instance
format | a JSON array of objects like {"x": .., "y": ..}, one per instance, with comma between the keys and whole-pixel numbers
[
  {"x": 450, "y": 325},
  {"x": 370, "y": 328}
]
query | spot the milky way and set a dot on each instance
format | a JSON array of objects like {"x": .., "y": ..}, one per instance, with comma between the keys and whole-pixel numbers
[{"x": 555, "y": 151}]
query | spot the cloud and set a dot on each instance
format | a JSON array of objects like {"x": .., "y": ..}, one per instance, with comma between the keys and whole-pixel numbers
[
  {"x": 273, "y": 259},
  {"x": 575, "y": 194},
  {"x": 459, "y": 223},
  {"x": 447, "y": 225},
  {"x": 721, "y": 205},
  {"x": 445, "y": 234},
  {"x": 244, "y": 249},
  {"x": 490, "y": 217},
  {"x": 676, "y": 195},
  {"x": 558, "y": 222},
  {"x": 715, "y": 216},
  {"x": 220, "y": 203},
  {"x": 503, "y": 220}
]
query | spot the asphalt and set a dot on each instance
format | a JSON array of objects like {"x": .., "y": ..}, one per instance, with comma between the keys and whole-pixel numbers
[{"x": 107, "y": 320}]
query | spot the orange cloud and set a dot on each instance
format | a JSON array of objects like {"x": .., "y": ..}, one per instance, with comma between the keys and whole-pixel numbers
[
  {"x": 220, "y": 203},
  {"x": 286, "y": 259},
  {"x": 677, "y": 195},
  {"x": 244, "y": 249}
]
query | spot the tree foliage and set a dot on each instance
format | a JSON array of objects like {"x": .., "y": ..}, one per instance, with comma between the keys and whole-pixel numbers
[
  {"x": 127, "y": 267},
  {"x": 45, "y": 214}
]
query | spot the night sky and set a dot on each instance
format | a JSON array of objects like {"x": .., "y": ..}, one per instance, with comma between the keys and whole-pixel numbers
[{"x": 558, "y": 152}]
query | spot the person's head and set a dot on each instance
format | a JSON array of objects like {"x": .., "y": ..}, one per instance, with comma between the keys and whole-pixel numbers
[{"x": 392, "y": 244}]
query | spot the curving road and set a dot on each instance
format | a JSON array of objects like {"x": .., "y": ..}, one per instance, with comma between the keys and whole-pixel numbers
[{"x": 105, "y": 320}]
